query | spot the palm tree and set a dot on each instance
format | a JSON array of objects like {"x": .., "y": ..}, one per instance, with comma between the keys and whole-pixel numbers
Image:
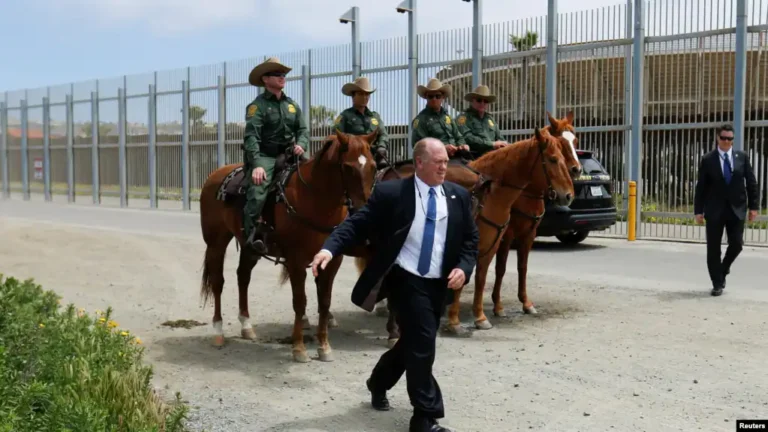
[
  {"x": 320, "y": 116},
  {"x": 523, "y": 43}
]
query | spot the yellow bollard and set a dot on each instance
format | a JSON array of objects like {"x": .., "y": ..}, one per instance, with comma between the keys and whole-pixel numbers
[{"x": 632, "y": 211}]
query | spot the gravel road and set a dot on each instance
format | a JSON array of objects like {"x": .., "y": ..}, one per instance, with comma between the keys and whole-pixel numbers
[{"x": 624, "y": 340}]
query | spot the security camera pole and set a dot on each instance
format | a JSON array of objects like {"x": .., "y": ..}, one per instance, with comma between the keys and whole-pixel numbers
[
  {"x": 409, "y": 6},
  {"x": 352, "y": 16}
]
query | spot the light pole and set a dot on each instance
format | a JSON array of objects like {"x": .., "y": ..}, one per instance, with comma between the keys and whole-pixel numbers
[
  {"x": 352, "y": 16},
  {"x": 409, "y": 6},
  {"x": 477, "y": 42}
]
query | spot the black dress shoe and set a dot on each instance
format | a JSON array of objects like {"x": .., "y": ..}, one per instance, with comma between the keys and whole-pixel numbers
[
  {"x": 379, "y": 399},
  {"x": 421, "y": 424},
  {"x": 716, "y": 291}
]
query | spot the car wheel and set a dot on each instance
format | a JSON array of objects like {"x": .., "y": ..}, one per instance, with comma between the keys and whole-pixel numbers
[{"x": 574, "y": 237}]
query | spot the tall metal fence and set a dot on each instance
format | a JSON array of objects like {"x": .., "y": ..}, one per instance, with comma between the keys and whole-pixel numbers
[{"x": 151, "y": 140}]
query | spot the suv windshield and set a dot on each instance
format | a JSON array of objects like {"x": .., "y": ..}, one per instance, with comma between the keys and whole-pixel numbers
[{"x": 590, "y": 165}]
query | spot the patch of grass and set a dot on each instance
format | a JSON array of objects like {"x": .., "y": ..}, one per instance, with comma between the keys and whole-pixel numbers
[{"x": 63, "y": 370}]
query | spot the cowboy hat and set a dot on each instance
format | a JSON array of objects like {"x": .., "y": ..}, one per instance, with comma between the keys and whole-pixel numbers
[
  {"x": 271, "y": 64},
  {"x": 434, "y": 85},
  {"x": 481, "y": 92},
  {"x": 360, "y": 84}
]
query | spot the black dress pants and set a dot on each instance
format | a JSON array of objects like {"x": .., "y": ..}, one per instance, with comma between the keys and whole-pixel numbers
[
  {"x": 734, "y": 228},
  {"x": 419, "y": 303}
]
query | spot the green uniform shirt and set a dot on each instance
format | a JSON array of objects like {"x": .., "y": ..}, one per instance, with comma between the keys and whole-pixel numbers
[
  {"x": 353, "y": 122},
  {"x": 431, "y": 124},
  {"x": 479, "y": 133},
  {"x": 271, "y": 126}
]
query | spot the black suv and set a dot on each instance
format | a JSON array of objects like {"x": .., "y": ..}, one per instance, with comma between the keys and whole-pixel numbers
[{"x": 592, "y": 209}]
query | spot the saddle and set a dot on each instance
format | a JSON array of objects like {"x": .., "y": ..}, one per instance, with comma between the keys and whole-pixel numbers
[{"x": 234, "y": 186}]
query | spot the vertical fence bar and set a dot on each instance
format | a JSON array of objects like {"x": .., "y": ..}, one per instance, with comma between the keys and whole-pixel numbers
[
  {"x": 152, "y": 146},
  {"x": 4, "y": 149},
  {"x": 551, "y": 71},
  {"x": 24, "y": 151},
  {"x": 739, "y": 97},
  {"x": 355, "y": 42},
  {"x": 477, "y": 43},
  {"x": 413, "y": 73},
  {"x": 306, "y": 91},
  {"x": 121, "y": 151},
  {"x": 70, "y": 149},
  {"x": 185, "y": 145},
  {"x": 627, "y": 103},
  {"x": 95, "y": 147},
  {"x": 221, "y": 155},
  {"x": 47, "y": 149},
  {"x": 638, "y": 52}
]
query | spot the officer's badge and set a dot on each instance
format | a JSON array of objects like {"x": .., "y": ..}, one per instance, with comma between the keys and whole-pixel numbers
[
  {"x": 462, "y": 120},
  {"x": 338, "y": 120},
  {"x": 447, "y": 120},
  {"x": 490, "y": 122},
  {"x": 251, "y": 110},
  {"x": 415, "y": 123},
  {"x": 374, "y": 122},
  {"x": 291, "y": 109}
]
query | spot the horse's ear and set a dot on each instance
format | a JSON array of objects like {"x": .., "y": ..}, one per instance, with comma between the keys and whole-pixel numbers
[
  {"x": 541, "y": 138},
  {"x": 343, "y": 139},
  {"x": 569, "y": 117},
  {"x": 552, "y": 120}
]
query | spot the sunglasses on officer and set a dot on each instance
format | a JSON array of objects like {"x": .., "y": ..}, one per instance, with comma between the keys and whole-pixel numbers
[
  {"x": 275, "y": 74},
  {"x": 726, "y": 138},
  {"x": 435, "y": 96}
]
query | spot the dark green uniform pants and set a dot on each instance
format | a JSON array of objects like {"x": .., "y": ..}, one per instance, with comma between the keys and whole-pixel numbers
[{"x": 256, "y": 195}]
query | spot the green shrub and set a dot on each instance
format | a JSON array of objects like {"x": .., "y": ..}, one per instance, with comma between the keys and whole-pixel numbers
[{"x": 63, "y": 370}]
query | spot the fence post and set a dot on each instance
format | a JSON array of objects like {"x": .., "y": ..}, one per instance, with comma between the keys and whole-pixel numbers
[
  {"x": 95, "y": 147},
  {"x": 627, "y": 104},
  {"x": 70, "y": 148},
  {"x": 221, "y": 154},
  {"x": 152, "y": 146},
  {"x": 638, "y": 52},
  {"x": 121, "y": 151},
  {"x": 24, "y": 152},
  {"x": 739, "y": 97},
  {"x": 305, "y": 93},
  {"x": 477, "y": 43},
  {"x": 47, "y": 148},
  {"x": 185, "y": 145},
  {"x": 552, "y": 33},
  {"x": 4, "y": 149},
  {"x": 409, "y": 6},
  {"x": 352, "y": 16}
]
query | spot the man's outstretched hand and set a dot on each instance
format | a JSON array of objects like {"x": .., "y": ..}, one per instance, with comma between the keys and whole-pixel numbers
[{"x": 320, "y": 262}]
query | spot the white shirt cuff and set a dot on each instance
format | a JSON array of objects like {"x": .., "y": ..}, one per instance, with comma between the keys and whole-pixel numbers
[{"x": 327, "y": 251}]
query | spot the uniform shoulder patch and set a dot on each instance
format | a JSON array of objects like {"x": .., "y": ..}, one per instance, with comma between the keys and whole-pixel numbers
[
  {"x": 251, "y": 110},
  {"x": 447, "y": 120},
  {"x": 375, "y": 121},
  {"x": 462, "y": 120},
  {"x": 338, "y": 119},
  {"x": 416, "y": 122},
  {"x": 490, "y": 122},
  {"x": 291, "y": 108}
]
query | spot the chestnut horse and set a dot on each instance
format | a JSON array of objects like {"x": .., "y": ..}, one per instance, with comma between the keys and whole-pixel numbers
[
  {"x": 536, "y": 163},
  {"x": 308, "y": 201},
  {"x": 525, "y": 218}
]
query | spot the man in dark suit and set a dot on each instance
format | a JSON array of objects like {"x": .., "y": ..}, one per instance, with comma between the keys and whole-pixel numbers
[
  {"x": 426, "y": 242},
  {"x": 726, "y": 188}
]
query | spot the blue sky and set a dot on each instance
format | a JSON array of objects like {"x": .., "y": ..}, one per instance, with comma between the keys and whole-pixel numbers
[{"x": 51, "y": 42}]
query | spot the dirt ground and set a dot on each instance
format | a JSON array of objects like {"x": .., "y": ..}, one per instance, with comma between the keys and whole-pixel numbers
[{"x": 644, "y": 349}]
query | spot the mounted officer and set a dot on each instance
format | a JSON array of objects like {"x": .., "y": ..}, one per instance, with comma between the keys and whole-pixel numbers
[
  {"x": 359, "y": 120},
  {"x": 274, "y": 123},
  {"x": 434, "y": 122},
  {"x": 478, "y": 127}
]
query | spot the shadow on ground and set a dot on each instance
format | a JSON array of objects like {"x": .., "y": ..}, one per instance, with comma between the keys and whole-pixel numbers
[
  {"x": 359, "y": 418},
  {"x": 550, "y": 246}
]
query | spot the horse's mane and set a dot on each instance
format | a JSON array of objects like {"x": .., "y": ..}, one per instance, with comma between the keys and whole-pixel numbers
[{"x": 495, "y": 164}]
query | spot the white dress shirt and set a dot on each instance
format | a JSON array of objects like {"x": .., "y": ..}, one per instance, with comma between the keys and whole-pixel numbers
[
  {"x": 722, "y": 159},
  {"x": 408, "y": 258}
]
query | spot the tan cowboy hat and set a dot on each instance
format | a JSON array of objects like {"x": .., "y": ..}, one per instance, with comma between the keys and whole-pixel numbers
[
  {"x": 434, "y": 85},
  {"x": 360, "y": 84},
  {"x": 482, "y": 92},
  {"x": 271, "y": 64}
]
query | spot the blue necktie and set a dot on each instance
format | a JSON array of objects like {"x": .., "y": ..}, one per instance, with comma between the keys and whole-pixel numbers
[
  {"x": 727, "y": 169},
  {"x": 428, "y": 239}
]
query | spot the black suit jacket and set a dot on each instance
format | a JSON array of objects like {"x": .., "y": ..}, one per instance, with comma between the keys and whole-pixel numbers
[
  {"x": 713, "y": 195},
  {"x": 386, "y": 219}
]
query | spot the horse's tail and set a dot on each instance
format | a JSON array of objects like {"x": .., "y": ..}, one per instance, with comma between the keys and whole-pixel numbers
[
  {"x": 284, "y": 275},
  {"x": 206, "y": 285}
]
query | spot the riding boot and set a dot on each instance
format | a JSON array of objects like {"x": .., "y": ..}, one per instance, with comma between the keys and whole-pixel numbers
[{"x": 256, "y": 239}]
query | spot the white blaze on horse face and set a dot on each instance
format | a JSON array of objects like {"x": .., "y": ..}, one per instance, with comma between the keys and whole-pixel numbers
[
  {"x": 568, "y": 135},
  {"x": 362, "y": 161}
]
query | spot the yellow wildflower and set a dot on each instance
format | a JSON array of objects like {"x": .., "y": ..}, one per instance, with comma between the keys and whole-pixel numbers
[
  {"x": 101, "y": 320},
  {"x": 112, "y": 324},
  {"x": 123, "y": 333},
  {"x": 42, "y": 325},
  {"x": 138, "y": 340}
]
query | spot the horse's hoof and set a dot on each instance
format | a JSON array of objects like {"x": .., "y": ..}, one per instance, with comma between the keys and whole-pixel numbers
[
  {"x": 500, "y": 313},
  {"x": 530, "y": 310},
  {"x": 391, "y": 342},
  {"x": 325, "y": 355},
  {"x": 248, "y": 334},
  {"x": 456, "y": 329},
  {"x": 382, "y": 311},
  {"x": 332, "y": 323},
  {"x": 218, "y": 341},
  {"x": 301, "y": 357},
  {"x": 305, "y": 323},
  {"x": 483, "y": 325}
]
